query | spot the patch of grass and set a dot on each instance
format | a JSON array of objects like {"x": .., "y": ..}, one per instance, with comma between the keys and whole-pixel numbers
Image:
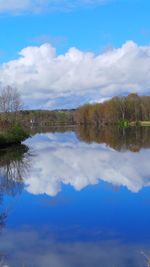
[
  {"x": 145, "y": 123},
  {"x": 139, "y": 123}
]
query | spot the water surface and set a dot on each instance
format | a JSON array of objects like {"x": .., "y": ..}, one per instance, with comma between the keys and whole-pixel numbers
[{"x": 75, "y": 198}]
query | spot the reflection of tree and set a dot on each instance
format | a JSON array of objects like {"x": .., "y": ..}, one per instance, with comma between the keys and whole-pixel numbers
[
  {"x": 14, "y": 162},
  {"x": 132, "y": 139},
  {"x": 14, "y": 165}
]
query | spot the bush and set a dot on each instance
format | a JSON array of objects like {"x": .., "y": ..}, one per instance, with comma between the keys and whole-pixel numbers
[{"x": 15, "y": 134}]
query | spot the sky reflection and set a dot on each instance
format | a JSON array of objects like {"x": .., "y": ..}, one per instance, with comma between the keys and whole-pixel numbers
[
  {"x": 62, "y": 159},
  {"x": 27, "y": 246},
  {"x": 68, "y": 203}
]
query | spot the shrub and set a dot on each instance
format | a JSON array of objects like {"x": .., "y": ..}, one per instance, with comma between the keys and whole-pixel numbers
[{"x": 15, "y": 134}]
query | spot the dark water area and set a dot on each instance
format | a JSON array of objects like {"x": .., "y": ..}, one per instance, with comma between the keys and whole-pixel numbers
[{"x": 76, "y": 197}]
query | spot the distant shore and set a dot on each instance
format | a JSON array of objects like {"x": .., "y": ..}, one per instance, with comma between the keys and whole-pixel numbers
[{"x": 124, "y": 111}]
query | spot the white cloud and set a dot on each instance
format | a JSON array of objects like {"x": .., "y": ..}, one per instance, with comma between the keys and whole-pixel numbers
[
  {"x": 46, "y": 79},
  {"x": 59, "y": 162},
  {"x": 37, "y": 6}
]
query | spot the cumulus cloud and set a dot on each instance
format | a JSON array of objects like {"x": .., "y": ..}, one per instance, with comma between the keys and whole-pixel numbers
[
  {"x": 37, "y": 6},
  {"x": 48, "y": 80},
  {"x": 57, "y": 162}
]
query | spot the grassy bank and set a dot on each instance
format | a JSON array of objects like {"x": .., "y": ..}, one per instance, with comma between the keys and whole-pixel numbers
[
  {"x": 14, "y": 134},
  {"x": 140, "y": 123}
]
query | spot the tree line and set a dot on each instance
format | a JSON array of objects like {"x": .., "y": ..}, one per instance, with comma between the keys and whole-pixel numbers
[
  {"x": 131, "y": 108},
  {"x": 12, "y": 111}
]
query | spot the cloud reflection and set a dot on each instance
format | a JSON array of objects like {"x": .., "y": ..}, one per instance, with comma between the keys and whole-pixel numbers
[
  {"x": 79, "y": 164},
  {"x": 28, "y": 247}
]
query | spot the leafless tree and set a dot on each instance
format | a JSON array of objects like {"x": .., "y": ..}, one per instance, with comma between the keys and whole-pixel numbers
[
  {"x": 10, "y": 100},
  {"x": 10, "y": 103}
]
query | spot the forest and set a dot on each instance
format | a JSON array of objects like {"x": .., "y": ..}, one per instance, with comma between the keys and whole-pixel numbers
[
  {"x": 123, "y": 110},
  {"x": 131, "y": 108}
]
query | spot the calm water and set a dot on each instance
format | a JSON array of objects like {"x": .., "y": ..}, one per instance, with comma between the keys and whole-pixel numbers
[{"x": 76, "y": 198}]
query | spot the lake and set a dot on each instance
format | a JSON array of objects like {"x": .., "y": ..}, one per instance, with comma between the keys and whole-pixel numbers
[{"x": 76, "y": 197}]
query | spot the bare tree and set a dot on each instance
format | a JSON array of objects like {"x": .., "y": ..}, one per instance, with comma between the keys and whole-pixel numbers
[
  {"x": 10, "y": 103},
  {"x": 10, "y": 100}
]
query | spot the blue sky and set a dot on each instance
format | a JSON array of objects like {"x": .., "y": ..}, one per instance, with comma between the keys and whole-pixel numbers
[
  {"x": 87, "y": 28},
  {"x": 98, "y": 27}
]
